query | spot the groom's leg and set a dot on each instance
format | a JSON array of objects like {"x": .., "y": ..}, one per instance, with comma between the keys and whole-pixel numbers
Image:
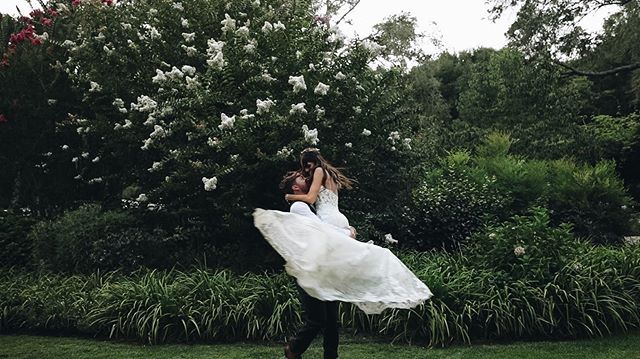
[
  {"x": 331, "y": 337},
  {"x": 314, "y": 320}
]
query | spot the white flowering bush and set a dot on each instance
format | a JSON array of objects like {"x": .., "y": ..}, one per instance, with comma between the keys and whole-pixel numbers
[{"x": 199, "y": 107}]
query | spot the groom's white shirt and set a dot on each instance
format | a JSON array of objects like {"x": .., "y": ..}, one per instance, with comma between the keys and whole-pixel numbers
[{"x": 303, "y": 209}]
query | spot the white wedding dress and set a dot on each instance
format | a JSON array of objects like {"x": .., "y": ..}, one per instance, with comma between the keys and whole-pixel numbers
[{"x": 331, "y": 266}]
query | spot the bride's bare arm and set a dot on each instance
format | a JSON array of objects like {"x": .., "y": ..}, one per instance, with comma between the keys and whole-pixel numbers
[{"x": 312, "y": 195}]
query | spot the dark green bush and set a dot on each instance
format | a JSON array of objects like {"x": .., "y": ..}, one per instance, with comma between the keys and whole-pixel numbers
[
  {"x": 525, "y": 248},
  {"x": 592, "y": 198},
  {"x": 452, "y": 202},
  {"x": 76, "y": 241},
  {"x": 467, "y": 192},
  {"x": 15, "y": 246}
]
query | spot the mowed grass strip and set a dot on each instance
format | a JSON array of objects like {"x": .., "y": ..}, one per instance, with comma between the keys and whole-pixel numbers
[{"x": 22, "y": 346}]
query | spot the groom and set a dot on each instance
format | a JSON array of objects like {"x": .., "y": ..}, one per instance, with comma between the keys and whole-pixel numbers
[{"x": 318, "y": 315}]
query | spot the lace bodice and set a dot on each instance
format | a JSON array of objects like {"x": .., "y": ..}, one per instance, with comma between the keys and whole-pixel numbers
[
  {"x": 327, "y": 200},
  {"x": 327, "y": 208}
]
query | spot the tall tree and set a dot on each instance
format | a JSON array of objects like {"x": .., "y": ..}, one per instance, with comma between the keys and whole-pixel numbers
[{"x": 552, "y": 29}]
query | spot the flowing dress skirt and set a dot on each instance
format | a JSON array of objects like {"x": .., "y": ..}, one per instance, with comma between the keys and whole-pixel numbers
[{"x": 331, "y": 266}]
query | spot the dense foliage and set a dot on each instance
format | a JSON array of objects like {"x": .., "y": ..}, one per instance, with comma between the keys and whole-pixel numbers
[
  {"x": 593, "y": 293},
  {"x": 137, "y": 137}
]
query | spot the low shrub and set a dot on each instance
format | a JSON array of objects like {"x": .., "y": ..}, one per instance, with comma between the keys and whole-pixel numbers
[
  {"x": 466, "y": 192},
  {"x": 527, "y": 247},
  {"x": 15, "y": 246},
  {"x": 597, "y": 292},
  {"x": 592, "y": 198},
  {"x": 451, "y": 203},
  {"x": 77, "y": 240}
]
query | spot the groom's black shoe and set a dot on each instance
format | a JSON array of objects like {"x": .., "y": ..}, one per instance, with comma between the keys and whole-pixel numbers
[{"x": 289, "y": 354}]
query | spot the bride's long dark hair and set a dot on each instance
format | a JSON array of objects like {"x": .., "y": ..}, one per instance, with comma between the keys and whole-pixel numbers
[{"x": 313, "y": 155}]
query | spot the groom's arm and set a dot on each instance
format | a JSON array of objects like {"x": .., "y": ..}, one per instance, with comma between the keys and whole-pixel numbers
[{"x": 304, "y": 210}]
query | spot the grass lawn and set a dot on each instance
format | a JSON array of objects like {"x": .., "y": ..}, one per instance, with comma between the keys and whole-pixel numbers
[{"x": 23, "y": 346}]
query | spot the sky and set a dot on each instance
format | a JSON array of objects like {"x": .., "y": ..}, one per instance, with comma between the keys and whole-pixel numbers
[{"x": 458, "y": 24}]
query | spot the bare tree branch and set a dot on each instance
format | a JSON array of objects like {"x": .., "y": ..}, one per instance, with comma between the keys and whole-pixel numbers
[
  {"x": 577, "y": 72},
  {"x": 348, "y": 12}
]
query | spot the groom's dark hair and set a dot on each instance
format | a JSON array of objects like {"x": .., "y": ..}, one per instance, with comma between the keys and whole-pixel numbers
[{"x": 288, "y": 181}]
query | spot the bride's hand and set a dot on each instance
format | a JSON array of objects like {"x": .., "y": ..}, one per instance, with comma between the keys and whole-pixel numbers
[
  {"x": 286, "y": 197},
  {"x": 354, "y": 233}
]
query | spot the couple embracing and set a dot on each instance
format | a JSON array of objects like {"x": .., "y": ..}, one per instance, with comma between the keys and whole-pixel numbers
[{"x": 329, "y": 265}]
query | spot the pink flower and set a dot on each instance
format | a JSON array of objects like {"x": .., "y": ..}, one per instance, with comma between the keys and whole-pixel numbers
[
  {"x": 4, "y": 62},
  {"x": 75, "y": 2},
  {"x": 3, "y": 118},
  {"x": 46, "y": 21},
  {"x": 36, "y": 13},
  {"x": 53, "y": 12}
]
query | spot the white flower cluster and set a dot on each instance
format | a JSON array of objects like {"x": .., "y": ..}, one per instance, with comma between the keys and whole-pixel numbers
[
  {"x": 190, "y": 50},
  {"x": 340, "y": 76},
  {"x": 366, "y": 132},
  {"x": 174, "y": 74},
  {"x": 244, "y": 114},
  {"x": 152, "y": 32},
  {"x": 264, "y": 106},
  {"x": 228, "y": 24},
  {"x": 298, "y": 108},
  {"x": 268, "y": 27},
  {"x": 321, "y": 89},
  {"x": 298, "y": 83},
  {"x": 189, "y": 37},
  {"x": 243, "y": 31},
  {"x": 284, "y": 152},
  {"x": 209, "y": 183},
  {"x": 394, "y": 136},
  {"x": 407, "y": 143},
  {"x": 310, "y": 136},
  {"x": 192, "y": 82},
  {"x": 94, "y": 87},
  {"x": 155, "y": 167},
  {"x": 335, "y": 35},
  {"x": 373, "y": 47},
  {"x": 389, "y": 239},
  {"x": 144, "y": 104},
  {"x": 119, "y": 104},
  {"x": 226, "y": 121},
  {"x": 95, "y": 180},
  {"x": 158, "y": 132},
  {"x": 519, "y": 251},
  {"x": 214, "y": 51},
  {"x": 250, "y": 48}
]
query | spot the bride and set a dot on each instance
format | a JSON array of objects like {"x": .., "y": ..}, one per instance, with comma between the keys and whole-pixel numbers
[
  {"x": 327, "y": 263},
  {"x": 326, "y": 181}
]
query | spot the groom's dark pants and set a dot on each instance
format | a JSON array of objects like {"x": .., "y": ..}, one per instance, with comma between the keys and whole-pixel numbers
[{"x": 317, "y": 315}]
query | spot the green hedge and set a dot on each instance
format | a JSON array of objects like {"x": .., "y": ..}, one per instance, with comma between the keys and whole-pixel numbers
[{"x": 593, "y": 296}]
